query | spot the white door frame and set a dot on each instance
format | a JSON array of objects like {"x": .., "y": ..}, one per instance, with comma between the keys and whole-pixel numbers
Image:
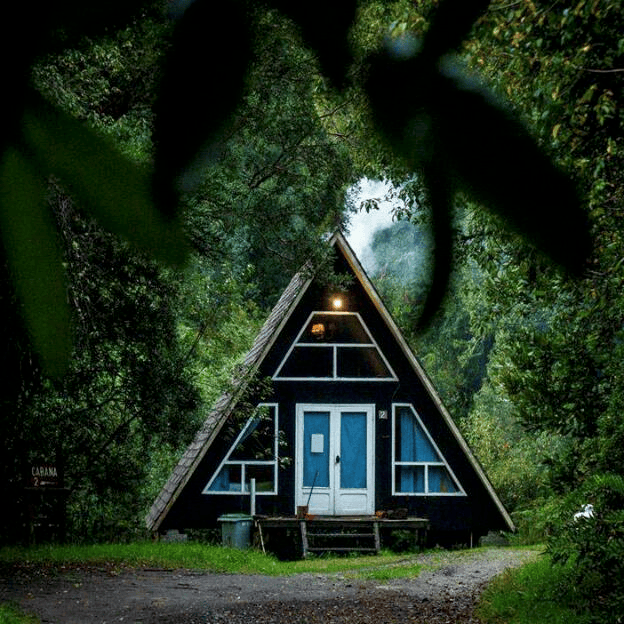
[{"x": 332, "y": 500}]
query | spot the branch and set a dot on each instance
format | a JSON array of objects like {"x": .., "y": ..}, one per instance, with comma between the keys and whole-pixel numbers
[
  {"x": 602, "y": 71},
  {"x": 202, "y": 330},
  {"x": 340, "y": 106},
  {"x": 503, "y": 7},
  {"x": 273, "y": 168},
  {"x": 114, "y": 434}
]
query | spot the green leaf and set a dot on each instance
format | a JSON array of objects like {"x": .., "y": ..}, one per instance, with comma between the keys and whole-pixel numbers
[
  {"x": 202, "y": 86},
  {"x": 35, "y": 261},
  {"x": 113, "y": 189},
  {"x": 450, "y": 120}
]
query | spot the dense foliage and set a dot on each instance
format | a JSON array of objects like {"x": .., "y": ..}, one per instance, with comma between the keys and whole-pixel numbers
[
  {"x": 278, "y": 182},
  {"x": 526, "y": 354},
  {"x": 590, "y": 547},
  {"x": 559, "y": 64},
  {"x": 127, "y": 397},
  {"x": 543, "y": 406},
  {"x": 153, "y": 346},
  {"x": 555, "y": 364}
]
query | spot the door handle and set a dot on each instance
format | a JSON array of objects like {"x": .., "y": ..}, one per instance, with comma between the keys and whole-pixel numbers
[{"x": 337, "y": 459}]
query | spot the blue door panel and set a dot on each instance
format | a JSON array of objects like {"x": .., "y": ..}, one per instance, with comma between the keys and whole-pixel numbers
[
  {"x": 353, "y": 450},
  {"x": 316, "y": 464}
]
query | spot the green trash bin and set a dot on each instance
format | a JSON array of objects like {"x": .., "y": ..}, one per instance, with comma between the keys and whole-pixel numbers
[{"x": 236, "y": 530}]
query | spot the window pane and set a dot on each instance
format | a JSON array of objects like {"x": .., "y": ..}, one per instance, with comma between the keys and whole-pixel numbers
[
  {"x": 361, "y": 362},
  {"x": 316, "y": 449},
  {"x": 352, "y": 441},
  {"x": 335, "y": 328},
  {"x": 264, "y": 476},
  {"x": 410, "y": 479},
  {"x": 440, "y": 480},
  {"x": 258, "y": 441},
  {"x": 411, "y": 441},
  {"x": 228, "y": 480},
  {"x": 309, "y": 362}
]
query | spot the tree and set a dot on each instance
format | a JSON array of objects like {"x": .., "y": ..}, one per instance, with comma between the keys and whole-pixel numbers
[
  {"x": 127, "y": 394},
  {"x": 278, "y": 180},
  {"x": 561, "y": 357}
]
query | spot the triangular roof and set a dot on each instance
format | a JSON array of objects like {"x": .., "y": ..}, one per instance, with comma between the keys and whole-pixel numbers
[{"x": 260, "y": 348}]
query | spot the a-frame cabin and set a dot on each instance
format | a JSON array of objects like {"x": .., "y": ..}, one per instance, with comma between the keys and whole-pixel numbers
[{"x": 352, "y": 427}]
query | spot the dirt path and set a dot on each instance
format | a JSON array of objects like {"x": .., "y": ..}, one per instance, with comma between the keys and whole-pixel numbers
[{"x": 444, "y": 593}]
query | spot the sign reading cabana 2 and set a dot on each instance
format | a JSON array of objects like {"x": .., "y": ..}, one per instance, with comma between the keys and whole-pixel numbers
[{"x": 44, "y": 476}]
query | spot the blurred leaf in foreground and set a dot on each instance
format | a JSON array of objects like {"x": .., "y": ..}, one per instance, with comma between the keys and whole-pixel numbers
[{"x": 459, "y": 138}]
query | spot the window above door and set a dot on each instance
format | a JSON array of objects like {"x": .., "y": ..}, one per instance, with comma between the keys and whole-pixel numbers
[{"x": 335, "y": 346}]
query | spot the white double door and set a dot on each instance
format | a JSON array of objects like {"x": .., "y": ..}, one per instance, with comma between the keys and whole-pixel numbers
[{"x": 335, "y": 459}]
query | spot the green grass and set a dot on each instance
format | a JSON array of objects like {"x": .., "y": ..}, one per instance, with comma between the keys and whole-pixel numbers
[
  {"x": 142, "y": 554},
  {"x": 197, "y": 556},
  {"x": 10, "y": 614},
  {"x": 536, "y": 592}
]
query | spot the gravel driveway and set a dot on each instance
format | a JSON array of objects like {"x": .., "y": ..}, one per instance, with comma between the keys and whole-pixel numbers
[{"x": 445, "y": 592}]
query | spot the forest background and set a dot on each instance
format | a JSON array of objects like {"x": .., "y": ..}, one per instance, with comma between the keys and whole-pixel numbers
[{"x": 526, "y": 355}]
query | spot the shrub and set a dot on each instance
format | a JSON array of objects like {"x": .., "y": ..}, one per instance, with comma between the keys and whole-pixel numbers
[
  {"x": 528, "y": 595},
  {"x": 512, "y": 458},
  {"x": 592, "y": 549},
  {"x": 534, "y": 522}
]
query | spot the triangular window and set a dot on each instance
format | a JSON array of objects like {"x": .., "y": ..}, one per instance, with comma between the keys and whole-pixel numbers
[
  {"x": 335, "y": 345},
  {"x": 419, "y": 469},
  {"x": 253, "y": 455}
]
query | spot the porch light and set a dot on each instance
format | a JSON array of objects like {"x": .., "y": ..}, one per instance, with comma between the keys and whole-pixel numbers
[{"x": 337, "y": 302}]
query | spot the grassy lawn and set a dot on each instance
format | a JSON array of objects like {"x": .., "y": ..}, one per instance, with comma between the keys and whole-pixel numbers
[
  {"x": 527, "y": 595},
  {"x": 196, "y": 556}
]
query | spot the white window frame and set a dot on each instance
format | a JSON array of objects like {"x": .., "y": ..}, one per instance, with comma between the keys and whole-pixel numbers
[
  {"x": 335, "y": 346},
  {"x": 252, "y": 462},
  {"x": 426, "y": 465}
]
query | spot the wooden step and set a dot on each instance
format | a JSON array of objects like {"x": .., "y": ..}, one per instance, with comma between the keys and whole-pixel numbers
[
  {"x": 312, "y": 549},
  {"x": 340, "y": 534},
  {"x": 315, "y": 539}
]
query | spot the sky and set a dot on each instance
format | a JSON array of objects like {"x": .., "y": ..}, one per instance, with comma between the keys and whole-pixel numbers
[{"x": 363, "y": 225}]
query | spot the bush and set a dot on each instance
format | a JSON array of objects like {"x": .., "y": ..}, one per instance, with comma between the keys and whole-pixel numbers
[
  {"x": 528, "y": 595},
  {"x": 534, "y": 522},
  {"x": 592, "y": 549}
]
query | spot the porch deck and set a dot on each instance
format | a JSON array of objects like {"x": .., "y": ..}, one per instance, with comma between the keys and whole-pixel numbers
[{"x": 340, "y": 533}]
